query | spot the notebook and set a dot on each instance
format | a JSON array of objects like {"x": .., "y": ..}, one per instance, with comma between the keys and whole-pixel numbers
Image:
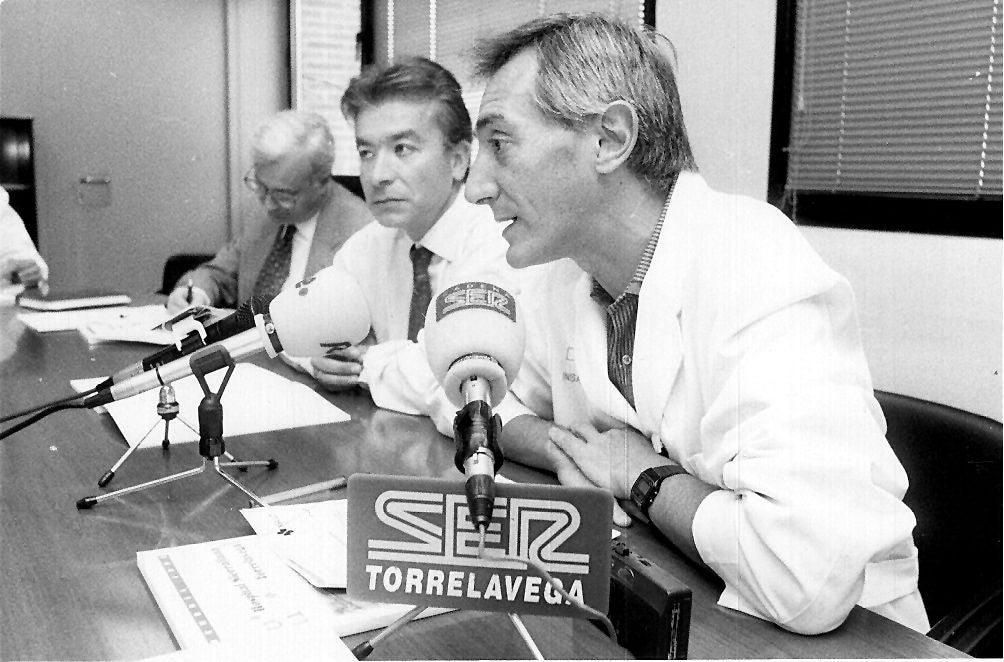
[{"x": 55, "y": 300}]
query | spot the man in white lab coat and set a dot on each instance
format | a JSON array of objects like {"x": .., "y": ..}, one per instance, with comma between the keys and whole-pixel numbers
[{"x": 686, "y": 349}]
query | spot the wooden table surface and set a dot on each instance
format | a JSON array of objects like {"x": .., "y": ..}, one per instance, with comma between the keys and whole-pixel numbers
[{"x": 70, "y": 588}]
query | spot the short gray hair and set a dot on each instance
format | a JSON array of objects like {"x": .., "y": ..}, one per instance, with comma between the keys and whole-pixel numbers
[
  {"x": 292, "y": 131},
  {"x": 586, "y": 61}
]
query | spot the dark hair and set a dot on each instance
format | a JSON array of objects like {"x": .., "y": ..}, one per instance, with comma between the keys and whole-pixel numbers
[
  {"x": 412, "y": 79},
  {"x": 586, "y": 61}
]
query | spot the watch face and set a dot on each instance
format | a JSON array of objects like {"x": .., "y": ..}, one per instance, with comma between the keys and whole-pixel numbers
[
  {"x": 642, "y": 490},
  {"x": 646, "y": 487}
]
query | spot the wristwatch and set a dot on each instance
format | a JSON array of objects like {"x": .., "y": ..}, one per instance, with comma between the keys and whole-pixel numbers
[{"x": 646, "y": 487}]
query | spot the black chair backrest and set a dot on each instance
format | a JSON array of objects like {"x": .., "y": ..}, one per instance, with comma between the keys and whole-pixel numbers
[
  {"x": 953, "y": 461},
  {"x": 176, "y": 265}
]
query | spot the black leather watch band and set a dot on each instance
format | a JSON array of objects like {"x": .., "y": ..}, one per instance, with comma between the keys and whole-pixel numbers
[{"x": 646, "y": 487}]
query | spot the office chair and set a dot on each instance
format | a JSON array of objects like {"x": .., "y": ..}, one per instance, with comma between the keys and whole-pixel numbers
[
  {"x": 178, "y": 264},
  {"x": 953, "y": 461}
]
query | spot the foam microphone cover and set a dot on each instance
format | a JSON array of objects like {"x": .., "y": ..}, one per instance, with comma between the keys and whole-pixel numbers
[
  {"x": 466, "y": 323},
  {"x": 323, "y": 312}
]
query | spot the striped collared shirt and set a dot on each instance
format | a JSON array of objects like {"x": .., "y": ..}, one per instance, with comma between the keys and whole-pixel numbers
[{"x": 622, "y": 314}]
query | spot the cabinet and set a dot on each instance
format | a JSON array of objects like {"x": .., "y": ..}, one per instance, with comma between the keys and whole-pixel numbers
[{"x": 17, "y": 169}]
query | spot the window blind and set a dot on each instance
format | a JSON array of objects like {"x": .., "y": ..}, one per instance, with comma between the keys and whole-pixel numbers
[
  {"x": 445, "y": 30},
  {"x": 897, "y": 97},
  {"x": 324, "y": 59}
]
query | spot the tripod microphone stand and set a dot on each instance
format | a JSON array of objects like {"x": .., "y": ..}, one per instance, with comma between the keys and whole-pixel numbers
[
  {"x": 167, "y": 410},
  {"x": 211, "y": 444}
]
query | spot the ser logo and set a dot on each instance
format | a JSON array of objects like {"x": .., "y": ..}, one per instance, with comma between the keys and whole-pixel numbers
[
  {"x": 433, "y": 531},
  {"x": 475, "y": 295}
]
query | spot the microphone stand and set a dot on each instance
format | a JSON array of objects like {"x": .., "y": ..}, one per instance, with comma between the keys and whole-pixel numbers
[
  {"x": 211, "y": 445},
  {"x": 476, "y": 433},
  {"x": 167, "y": 409}
]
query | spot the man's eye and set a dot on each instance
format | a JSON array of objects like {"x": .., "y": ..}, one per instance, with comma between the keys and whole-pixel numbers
[
  {"x": 364, "y": 154},
  {"x": 403, "y": 150}
]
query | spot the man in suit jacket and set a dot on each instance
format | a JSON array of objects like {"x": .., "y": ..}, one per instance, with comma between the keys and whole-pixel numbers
[
  {"x": 686, "y": 349},
  {"x": 304, "y": 218}
]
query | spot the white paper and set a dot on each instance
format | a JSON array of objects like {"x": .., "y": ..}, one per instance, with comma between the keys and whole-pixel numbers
[
  {"x": 137, "y": 326},
  {"x": 310, "y": 537},
  {"x": 319, "y": 645},
  {"x": 69, "y": 320},
  {"x": 254, "y": 400}
]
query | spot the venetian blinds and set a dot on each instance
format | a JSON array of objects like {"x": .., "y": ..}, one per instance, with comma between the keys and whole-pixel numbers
[
  {"x": 899, "y": 97},
  {"x": 445, "y": 30},
  {"x": 324, "y": 59}
]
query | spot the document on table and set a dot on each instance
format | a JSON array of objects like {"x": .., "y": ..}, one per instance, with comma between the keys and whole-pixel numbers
[
  {"x": 310, "y": 537},
  {"x": 254, "y": 400},
  {"x": 140, "y": 325},
  {"x": 68, "y": 320}
]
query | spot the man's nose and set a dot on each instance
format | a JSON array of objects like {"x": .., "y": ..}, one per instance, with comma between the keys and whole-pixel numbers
[
  {"x": 382, "y": 168},
  {"x": 480, "y": 188}
]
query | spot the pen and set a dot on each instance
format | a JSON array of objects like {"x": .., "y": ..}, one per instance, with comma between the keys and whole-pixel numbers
[
  {"x": 188, "y": 297},
  {"x": 306, "y": 490}
]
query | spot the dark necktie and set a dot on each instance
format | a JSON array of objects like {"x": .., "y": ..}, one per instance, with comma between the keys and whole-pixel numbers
[
  {"x": 421, "y": 293},
  {"x": 275, "y": 271}
]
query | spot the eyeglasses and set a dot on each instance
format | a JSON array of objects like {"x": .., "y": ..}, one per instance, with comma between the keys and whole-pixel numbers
[{"x": 281, "y": 197}]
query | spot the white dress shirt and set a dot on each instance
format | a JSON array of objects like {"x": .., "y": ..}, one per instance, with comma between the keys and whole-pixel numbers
[
  {"x": 467, "y": 244},
  {"x": 300, "y": 251}
]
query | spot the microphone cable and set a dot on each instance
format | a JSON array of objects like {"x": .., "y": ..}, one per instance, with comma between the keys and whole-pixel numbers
[
  {"x": 48, "y": 409},
  {"x": 539, "y": 570},
  {"x": 32, "y": 410}
]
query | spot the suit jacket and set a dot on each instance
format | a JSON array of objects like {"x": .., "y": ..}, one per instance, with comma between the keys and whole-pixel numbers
[
  {"x": 230, "y": 276},
  {"x": 748, "y": 370}
]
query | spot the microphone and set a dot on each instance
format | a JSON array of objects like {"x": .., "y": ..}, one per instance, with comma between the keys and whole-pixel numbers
[
  {"x": 240, "y": 320},
  {"x": 324, "y": 312},
  {"x": 474, "y": 341}
]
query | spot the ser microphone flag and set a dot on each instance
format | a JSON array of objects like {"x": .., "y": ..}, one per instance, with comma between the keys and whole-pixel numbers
[{"x": 474, "y": 340}]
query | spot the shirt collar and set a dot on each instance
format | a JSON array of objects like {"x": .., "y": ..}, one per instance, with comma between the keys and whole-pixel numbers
[
  {"x": 603, "y": 297},
  {"x": 441, "y": 238},
  {"x": 305, "y": 229}
]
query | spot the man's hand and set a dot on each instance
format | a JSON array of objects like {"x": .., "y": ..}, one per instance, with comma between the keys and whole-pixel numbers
[
  {"x": 177, "y": 300},
  {"x": 25, "y": 270},
  {"x": 583, "y": 456},
  {"x": 611, "y": 459},
  {"x": 339, "y": 369}
]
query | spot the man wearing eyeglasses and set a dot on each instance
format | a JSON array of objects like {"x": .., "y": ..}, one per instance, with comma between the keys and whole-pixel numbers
[{"x": 304, "y": 218}]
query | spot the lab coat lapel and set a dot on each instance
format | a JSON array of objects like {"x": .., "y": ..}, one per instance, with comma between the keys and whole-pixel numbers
[{"x": 658, "y": 349}]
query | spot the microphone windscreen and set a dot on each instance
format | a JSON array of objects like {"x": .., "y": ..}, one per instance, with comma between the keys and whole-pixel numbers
[
  {"x": 324, "y": 312},
  {"x": 470, "y": 319}
]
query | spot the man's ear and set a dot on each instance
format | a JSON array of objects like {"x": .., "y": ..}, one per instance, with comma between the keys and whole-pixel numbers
[
  {"x": 460, "y": 159},
  {"x": 617, "y": 132}
]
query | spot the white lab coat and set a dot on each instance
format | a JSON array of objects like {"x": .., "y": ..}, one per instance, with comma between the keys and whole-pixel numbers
[{"x": 748, "y": 369}]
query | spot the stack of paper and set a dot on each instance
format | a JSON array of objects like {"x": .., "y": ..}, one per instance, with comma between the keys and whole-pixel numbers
[
  {"x": 49, "y": 299},
  {"x": 69, "y": 320},
  {"x": 312, "y": 538},
  {"x": 224, "y": 591}
]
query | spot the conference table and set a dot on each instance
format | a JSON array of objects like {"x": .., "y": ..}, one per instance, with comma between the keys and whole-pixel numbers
[{"x": 70, "y": 588}]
